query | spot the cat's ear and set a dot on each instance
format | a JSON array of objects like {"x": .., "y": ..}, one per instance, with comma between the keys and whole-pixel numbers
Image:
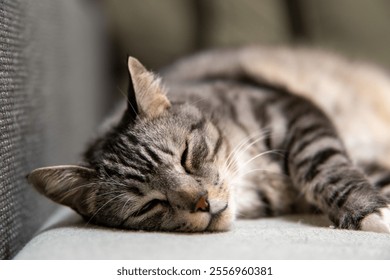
[
  {"x": 146, "y": 95},
  {"x": 69, "y": 185}
]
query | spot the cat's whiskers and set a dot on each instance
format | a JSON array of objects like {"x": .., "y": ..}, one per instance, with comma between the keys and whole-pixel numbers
[
  {"x": 240, "y": 149},
  {"x": 226, "y": 167},
  {"x": 100, "y": 208},
  {"x": 278, "y": 152},
  {"x": 243, "y": 165},
  {"x": 244, "y": 141},
  {"x": 124, "y": 205},
  {"x": 252, "y": 139},
  {"x": 267, "y": 171},
  {"x": 246, "y": 148},
  {"x": 109, "y": 179},
  {"x": 108, "y": 193},
  {"x": 228, "y": 162},
  {"x": 199, "y": 100}
]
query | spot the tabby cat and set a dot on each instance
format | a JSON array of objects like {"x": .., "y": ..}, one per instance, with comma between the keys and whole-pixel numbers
[{"x": 239, "y": 133}]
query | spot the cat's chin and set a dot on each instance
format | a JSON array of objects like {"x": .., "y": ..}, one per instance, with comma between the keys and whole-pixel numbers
[
  {"x": 221, "y": 222},
  {"x": 205, "y": 222}
]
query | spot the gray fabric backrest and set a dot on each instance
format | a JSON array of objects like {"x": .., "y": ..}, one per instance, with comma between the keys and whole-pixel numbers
[{"x": 51, "y": 84}]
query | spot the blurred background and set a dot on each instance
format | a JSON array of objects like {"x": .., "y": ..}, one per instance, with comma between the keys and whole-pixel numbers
[
  {"x": 158, "y": 32},
  {"x": 63, "y": 67}
]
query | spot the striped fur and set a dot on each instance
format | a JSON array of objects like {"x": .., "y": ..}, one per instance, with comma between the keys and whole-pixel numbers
[{"x": 224, "y": 138}]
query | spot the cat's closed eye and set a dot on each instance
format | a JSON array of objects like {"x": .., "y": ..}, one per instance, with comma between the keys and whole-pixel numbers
[
  {"x": 151, "y": 205},
  {"x": 183, "y": 160}
]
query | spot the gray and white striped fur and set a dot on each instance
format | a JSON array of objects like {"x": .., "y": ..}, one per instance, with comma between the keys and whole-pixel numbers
[{"x": 244, "y": 133}]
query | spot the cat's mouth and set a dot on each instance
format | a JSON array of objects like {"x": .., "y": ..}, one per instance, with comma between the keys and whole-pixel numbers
[
  {"x": 219, "y": 211},
  {"x": 220, "y": 220}
]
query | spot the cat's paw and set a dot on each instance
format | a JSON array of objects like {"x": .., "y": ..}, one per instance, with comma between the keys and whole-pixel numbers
[{"x": 377, "y": 222}]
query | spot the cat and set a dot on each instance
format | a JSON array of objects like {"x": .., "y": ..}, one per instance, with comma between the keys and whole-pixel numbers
[{"x": 249, "y": 132}]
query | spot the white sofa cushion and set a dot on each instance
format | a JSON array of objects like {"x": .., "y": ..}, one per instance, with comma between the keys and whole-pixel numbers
[{"x": 66, "y": 236}]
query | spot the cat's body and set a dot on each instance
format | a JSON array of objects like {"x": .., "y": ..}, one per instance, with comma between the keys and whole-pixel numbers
[
  {"x": 229, "y": 136},
  {"x": 354, "y": 94}
]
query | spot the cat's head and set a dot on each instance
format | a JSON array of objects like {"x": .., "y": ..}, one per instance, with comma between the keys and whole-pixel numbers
[{"x": 162, "y": 167}]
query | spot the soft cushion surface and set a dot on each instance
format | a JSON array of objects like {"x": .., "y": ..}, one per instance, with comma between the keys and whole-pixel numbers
[{"x": 67, "y": 236}]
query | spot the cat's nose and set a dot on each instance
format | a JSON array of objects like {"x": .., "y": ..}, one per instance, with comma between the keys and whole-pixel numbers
[
  {"x": 202, "y": 204},
  {"x": 190, "y": 199}
]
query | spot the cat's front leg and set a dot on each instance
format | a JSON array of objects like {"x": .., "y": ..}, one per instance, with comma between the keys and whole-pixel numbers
[{"x": 319, "y": 166}]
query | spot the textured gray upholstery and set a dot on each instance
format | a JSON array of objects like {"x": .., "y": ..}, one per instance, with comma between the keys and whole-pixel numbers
[
  {"x": 20, "y": 139},
  {"x": 49, "y": 77}
]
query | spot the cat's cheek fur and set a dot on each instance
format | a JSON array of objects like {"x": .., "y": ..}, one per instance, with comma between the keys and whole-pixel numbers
[{"x": 377, "y": 222}]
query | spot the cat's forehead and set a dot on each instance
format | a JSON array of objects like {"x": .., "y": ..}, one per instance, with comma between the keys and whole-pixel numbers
[
  {"x": 186, "y": 112},
  {"x": 160, "y": 140},
  {"x": 178, "y": 121}
]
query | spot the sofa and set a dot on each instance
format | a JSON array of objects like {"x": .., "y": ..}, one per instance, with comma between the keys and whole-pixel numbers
[{"x": 62, "y": 67}]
